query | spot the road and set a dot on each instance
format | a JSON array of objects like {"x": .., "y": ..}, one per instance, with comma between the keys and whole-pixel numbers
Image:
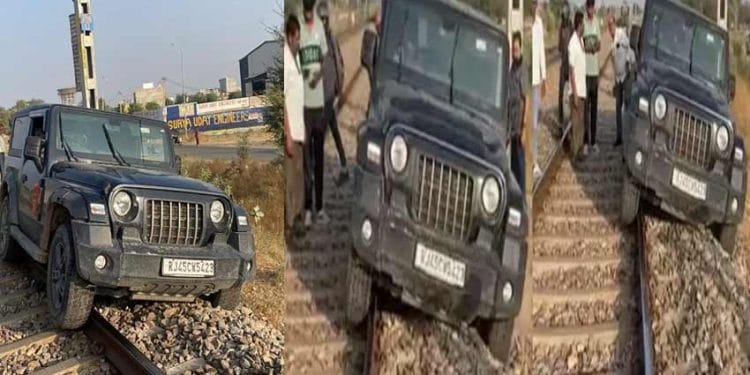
[{"x": 261, "y": 153}]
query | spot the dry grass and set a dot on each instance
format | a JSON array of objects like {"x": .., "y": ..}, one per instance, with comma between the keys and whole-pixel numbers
[
  {"x": 255, "y": 137},
  {"x": 254, "y": 184}
]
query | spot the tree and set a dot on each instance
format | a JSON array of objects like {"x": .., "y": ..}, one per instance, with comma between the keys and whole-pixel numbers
[
  {"x": 212, "y": 97},
  {"x": 235, "y": 95},
  {"x": 180, "y": 99},
  {"x": 274, "y": 113},
  {"x": 135, "y": 108},
  {"x": 6, "y": 114},
  {"x": 152, "y": 106},
  {"x": 198, "y": 97}
]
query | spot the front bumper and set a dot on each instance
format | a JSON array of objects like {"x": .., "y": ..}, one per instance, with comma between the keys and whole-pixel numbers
[
  {"x": 390, "y": 253},
  {"x": 654, "y": 176},
  {"x": 135, "y": 268}
]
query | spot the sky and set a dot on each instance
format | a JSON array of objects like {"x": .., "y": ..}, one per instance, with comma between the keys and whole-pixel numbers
[{"x": 132, "y": 41}]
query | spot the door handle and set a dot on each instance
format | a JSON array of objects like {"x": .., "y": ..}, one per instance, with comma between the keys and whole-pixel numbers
[{"x": 24, "y": 178}]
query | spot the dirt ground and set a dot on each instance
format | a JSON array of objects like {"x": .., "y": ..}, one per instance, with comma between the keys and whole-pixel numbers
[
  {"x": 255, "y": 184},
  {"x": 255, "y": 137}
]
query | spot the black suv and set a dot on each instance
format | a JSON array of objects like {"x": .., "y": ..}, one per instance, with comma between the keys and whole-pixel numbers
[
  {"x": 439, "y": 221},
  {"x": 681, "y": 148},
  {"x": 97, "y": 197}
]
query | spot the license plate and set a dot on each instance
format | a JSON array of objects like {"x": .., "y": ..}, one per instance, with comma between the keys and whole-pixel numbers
[
  {"x": 187, "y": 267},
  {"x": 439, "y": 266},
  {"x": 689, "y": 184}
]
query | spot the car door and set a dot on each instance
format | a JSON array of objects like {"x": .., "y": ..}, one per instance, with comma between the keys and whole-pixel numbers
[{"x": 31, "y": 185}]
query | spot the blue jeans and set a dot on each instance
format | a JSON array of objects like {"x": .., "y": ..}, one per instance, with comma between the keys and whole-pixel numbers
[
  {"x": 518, "y": 162},
  {"x": 536, "y": 103}
]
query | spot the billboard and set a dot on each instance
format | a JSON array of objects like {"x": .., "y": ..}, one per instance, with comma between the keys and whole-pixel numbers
[{"x": 225, "y": 114}]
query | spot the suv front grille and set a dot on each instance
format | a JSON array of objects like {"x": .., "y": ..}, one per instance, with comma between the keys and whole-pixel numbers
[
  {"x": 692, "y": 138},
  {"x": 173, "y": 223},
  {"x": 443, "y": 197}
]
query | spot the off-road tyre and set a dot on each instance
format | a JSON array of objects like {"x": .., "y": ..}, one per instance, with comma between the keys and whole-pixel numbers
[
  {"x": 631, "y": 198},
  {"x": 228, "y": 299},
  {"x": 727, "y": 236},
  {"x": 70, "y": 302},
  {"x": 10, "y": 251},
  {"x": 499, "y": 337},
  {"x": 359, "y": 292}
]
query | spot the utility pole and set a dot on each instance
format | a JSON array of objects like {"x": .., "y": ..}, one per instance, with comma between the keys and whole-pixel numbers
[
  {"x": 82, "y": 42},
  {"x": 182, "y": 70}
]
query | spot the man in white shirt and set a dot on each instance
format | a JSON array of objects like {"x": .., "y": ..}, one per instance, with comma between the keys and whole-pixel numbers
[
  {"x": 294, "y": 124},
  {"x": 577, "y": 62},
  {"x": 538, "y": 80},
  {"x": 591, "y": 45},
  {"x": 622, "y": 57}
]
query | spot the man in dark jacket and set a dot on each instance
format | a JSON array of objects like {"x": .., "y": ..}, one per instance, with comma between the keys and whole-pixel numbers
[
  {"x": 566, "y": 29},
  {"x": 518, "y": 89},
  {"x": 333, "y": 81}
]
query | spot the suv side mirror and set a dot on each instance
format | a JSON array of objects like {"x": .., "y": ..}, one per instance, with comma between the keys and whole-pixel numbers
[
  {"x": 32, "y": 150},
  {"x": 732, "y": 86},
  {"x": 369, "y": 48},
  {"x": 635, "y": 34}
]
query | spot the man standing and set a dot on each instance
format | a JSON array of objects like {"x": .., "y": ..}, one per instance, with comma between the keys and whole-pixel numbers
[
  {"x": 333, "y": 81},
  {"x": 313, "y": 47},
  {"x": 538, "y": 80},
  {"x": 294, "y": 124},
  {"x": 622, "y": 58},
  {"x": 566, "y": 29},
  {"x": 517, "y": 111},
  {"x": 577, "y": 61},
  {"x": 591, "y": 45}
]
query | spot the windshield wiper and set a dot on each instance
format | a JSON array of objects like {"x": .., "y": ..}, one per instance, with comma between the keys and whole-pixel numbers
[
  {"x": 401, "y": 46},
  {"x": 453, "y": 60},
  {"x": 116, "y": 154},
  {"x": 66, "y": 147}
]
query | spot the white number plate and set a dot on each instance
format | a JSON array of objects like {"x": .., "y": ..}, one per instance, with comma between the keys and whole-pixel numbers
[
  {"x": 187, "y": 267},
  {"x": 689, "y": 184},
  {"x": 440, "y": 266}
]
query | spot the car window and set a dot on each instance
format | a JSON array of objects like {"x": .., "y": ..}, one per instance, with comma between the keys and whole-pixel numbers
[{"x": 20, "y": 131}]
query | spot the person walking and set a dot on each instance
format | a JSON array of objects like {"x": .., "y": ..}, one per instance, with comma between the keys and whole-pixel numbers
[
  {"x": 333, "y": 82},
  {"x": 517, "y": 111},
  {"x": 294, "y": 124},
  {"x": 313, "y": 47},
  {"x": 591, "y": 45},
  {"x": 577, "y": 61},
  {"x": 563, "y": 39},
  {"x": 538, "y": 81}
]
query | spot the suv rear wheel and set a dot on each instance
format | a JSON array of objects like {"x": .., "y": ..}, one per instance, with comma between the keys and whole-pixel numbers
[
  {"x": 358, "y": 292},
  {"x": 227, "y": 299},
  {"x": 69, "y": 301},
  {"x": 9, "y": 248}
]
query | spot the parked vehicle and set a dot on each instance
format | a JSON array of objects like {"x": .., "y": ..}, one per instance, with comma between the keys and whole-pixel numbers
[
  {"x": 681, "y": 146},
  {"x": 439, "y": 221},
  {"x": 96, "y": 196}
]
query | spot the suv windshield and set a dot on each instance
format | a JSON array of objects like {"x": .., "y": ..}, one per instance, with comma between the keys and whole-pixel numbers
[
  {"x": 686, "y": 44},
  {"x": 443, "y": 53},
  {"x": 133, "y": 141}
]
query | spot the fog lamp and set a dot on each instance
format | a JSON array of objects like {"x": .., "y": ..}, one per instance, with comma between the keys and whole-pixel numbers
[
  {"x": 100, "y": 262},
  {"x": 734, "y": 205},
  {"x": 507, "y": 291}
]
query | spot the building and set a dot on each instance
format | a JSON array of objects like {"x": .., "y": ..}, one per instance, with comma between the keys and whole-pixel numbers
[
  {"x": 255, "y": 65},
  {"x": 82, "y": 43},
  {"x": 228, "y": 85},
  {"x": 149, "y": 92},
  {"x": 67, "y": 95}
]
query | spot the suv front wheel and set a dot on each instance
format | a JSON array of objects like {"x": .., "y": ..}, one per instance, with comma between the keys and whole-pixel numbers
[
  {"x": 227, "y": 299},
  {"x": 727, "y": 236},
  {"x": 630, "y": 200},
  {"x": 499, "y": 337},
  {"x": 358, "y": 292},
  {"x": 69, "y": 301}
]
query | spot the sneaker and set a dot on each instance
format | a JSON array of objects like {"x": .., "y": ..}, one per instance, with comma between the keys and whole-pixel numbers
[
  {"x": 308, "y": 219},
  {"x": 586, "y": 150},
  {"x": 537, "y": 171},
  {"x": 322, "y": 218},
  {"x": 596, "y": 149},
  {"x": 343, "y": 176}
]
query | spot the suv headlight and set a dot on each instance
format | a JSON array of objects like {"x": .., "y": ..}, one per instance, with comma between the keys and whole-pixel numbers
[
  {"x": 122, "y": 203},
  {"x": 722, "y": 138},
  {"x": 217, "y": 212},
  {"x": 399, "y": 154},
  {"x": 660, "y": 107},
  {"x": 490, "y": 195}
]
